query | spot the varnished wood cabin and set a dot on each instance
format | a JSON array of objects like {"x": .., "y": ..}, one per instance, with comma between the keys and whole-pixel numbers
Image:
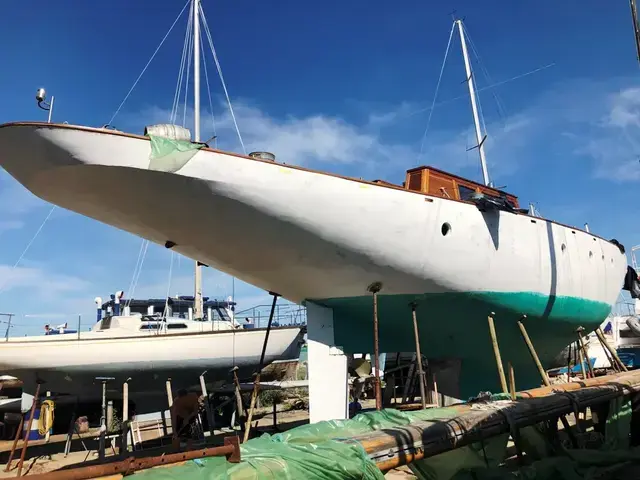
[{"x": 435, "y": 182}]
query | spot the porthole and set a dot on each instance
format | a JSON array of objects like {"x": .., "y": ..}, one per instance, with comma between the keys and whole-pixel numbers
[{"x": 446, "y": 228}]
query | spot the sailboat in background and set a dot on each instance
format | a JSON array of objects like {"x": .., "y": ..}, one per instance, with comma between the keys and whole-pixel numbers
[{"x": 460, "y": 249}]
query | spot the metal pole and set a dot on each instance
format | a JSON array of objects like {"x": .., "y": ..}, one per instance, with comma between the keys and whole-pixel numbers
[
  {"x": 423, "y": 396},
  {"x": 198, "y": 304},
  {"x": 51, "y": 109},
  {"x": 256, "y": 382},
  {"x": 79, "y": 325},
  {"x": 496, "y": 352},
  {"x": 374, "y": 289},
  {"x": 474, "y": 107},
  {"x": 25, "y": 444},
  {"x": 15, "y": 444},
  {"x": 6, "y": 335},
  {"x": 532, "y": 351}
]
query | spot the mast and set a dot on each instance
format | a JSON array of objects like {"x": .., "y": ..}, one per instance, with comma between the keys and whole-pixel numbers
[
  {"x": 480, "y": 138},
  {"x": 198, "y": 306}
]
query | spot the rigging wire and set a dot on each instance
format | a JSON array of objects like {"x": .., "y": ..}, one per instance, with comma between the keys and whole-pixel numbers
[
  {"x": 206, "y": 77},
  {"x": 110, "y": 122},
  {"x": 183, "y": 58},
  {"x": 26, "y": 249},
  {"x": 224, "y": 86},
  {"x": 186, "y": 84},
  {"x": 444, "y": 102},
  {"x": 435, "y": 96},
  {"x": 135, "y": 269},
  {"x": 136, "y": 276},
  {"x": 501, "y": 109}
]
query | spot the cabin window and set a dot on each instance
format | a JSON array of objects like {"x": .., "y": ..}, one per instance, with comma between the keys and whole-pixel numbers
[
  {"x": 150, "y": 326},
  {"x": 466, "y": 193},
  {"x": 173, "y": 326},
  {"x": 106, "y": 323}
]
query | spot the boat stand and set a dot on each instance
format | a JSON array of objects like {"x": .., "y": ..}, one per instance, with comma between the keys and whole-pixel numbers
[
  {"x": 374, "y": 289},
  {"x": 256, "y": 382},
  {"x": 25, "y": 441},
  {"x": 103, "y": 417}
]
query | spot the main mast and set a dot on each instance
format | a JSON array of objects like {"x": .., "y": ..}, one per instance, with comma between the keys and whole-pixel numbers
[
  {"x": 198, "y": 306},
  {"x": 480, "y": 138}
]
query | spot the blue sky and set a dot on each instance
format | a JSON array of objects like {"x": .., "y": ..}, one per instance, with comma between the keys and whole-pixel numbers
[{"x": 340, "y": 86}]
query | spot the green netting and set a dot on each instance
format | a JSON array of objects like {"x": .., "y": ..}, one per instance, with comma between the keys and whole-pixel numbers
[{"x": 168, "y": 155}]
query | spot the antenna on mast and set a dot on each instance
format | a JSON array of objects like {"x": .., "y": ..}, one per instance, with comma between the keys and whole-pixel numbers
[{"x": 480, "y": 137}]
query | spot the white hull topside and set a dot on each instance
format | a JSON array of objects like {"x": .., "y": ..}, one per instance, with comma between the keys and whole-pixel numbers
[
  {"x": 69, "y": 364},
  {"x": 304, "y": 234}
]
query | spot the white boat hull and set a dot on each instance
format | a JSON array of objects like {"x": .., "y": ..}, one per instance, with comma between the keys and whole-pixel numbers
[
  {"x": 68, "y": 365},
  {"x": 314, "y": 236}
]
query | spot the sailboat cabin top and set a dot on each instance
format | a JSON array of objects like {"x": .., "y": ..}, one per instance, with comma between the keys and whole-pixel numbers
[{"x": 438, "y": 183}]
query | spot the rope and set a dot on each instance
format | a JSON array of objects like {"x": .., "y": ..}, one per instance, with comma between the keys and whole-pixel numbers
[
  {"x": 224, "y": 86},
  {"x": 45, "y": 422},
  {"x": 435, "y": 96},
  {"x": 110, "y": 122},
  {"x": 26, "y": 249}
]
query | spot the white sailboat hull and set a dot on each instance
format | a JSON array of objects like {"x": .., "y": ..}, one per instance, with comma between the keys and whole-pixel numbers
[
  {"x": 314, "y": 236},
  {"x": 69, "y": 365}
]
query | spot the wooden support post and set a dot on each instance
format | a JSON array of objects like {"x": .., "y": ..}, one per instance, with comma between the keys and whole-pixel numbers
[
  {"x": 423, "y": 396},
  {"x": 169, "y": 393},
  {"x": 275, "y": 418},
  {"x": 103, "y": 422},
  {"x": 207, "y": 404},
  {"x": 612, "y": 361},
  {"x": 256, "y": 383},
  {"x": 240, "y": 410},
  {"x": 25, "y": 443},
  {"x": 543, "y": 374},
  {"x": 512, "y": 381},
  {"x": 611, "y": 351},
  {"x": 496, "y": 352},
  {"x": 581, "y": 359},
  {"x": 374, "y": 289},
  {"x": 584, "y": 351},
  {"x": 47, "y": 435},
  {"x": 569, "y": 353},
  {"x": 124, "y": 444},
  {"x": 532, "y": 351},
  {"x": 15, "y": 443},
  {"x": 435, "y": 391}
]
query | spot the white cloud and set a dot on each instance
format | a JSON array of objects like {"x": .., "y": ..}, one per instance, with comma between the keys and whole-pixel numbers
[
  {"x": 10, "y": 225},
  {"x": 41, "y": 282}
]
